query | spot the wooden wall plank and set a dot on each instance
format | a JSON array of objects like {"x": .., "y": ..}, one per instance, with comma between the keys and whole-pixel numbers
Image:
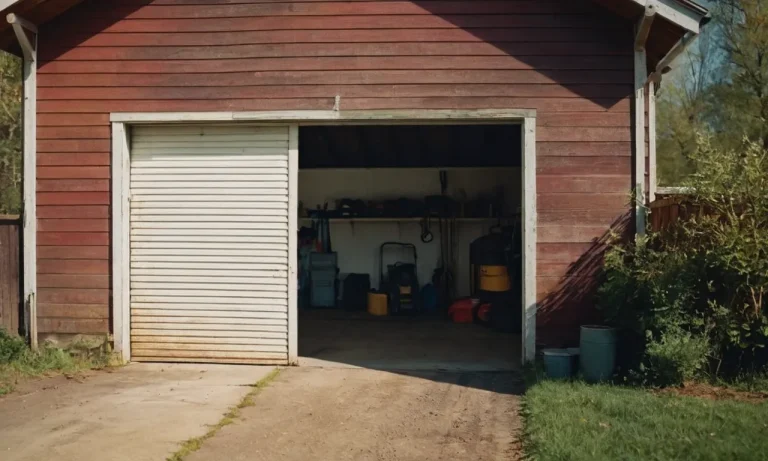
[
  {"x": 72, "y": 325},
  {"x": 72, "y": 281},
  {"x": 74, "y": 266},
  {"x": 72, "y": 238},
  {"x": 335, "y": 77},
  {"x": 73, "y": 252},
  {"x": 73, "y": 311},
  {"x": 72, "y": 198},
  {"x": 72, "y": 296},
  {"x": 73, "y": 212},
  {"x": 44, "y": 120},
  {"x": 89, "y": 24},
  {"x": 330, "y": 8},
  {"x": 73, "y": 158},
  {"x": 73, "y": 185},
  {"x": 345, "y": 91},
  {"x": 599, "y": 39},
  {"x": 356, "y": 63}
]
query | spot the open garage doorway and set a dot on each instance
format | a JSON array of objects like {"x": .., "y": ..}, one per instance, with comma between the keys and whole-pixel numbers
[{"x": 411, "y": 246}]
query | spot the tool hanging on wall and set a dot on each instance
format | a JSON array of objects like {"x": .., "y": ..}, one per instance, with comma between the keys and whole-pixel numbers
[
  {"x": 426, "y": 233},
  {"x": 443, "y": 278},
  {"x": 322, "y": 227}
]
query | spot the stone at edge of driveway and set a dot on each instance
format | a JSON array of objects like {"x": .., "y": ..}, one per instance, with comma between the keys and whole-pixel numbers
[{"x": 136, "y": 413}]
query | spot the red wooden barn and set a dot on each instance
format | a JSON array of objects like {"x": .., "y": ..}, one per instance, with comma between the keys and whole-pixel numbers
[{"x": 174, "y": 148}]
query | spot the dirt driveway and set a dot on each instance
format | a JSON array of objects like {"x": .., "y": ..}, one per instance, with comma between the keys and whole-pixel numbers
[
  {"x": 141, "y": 412},
  {"x": 361, "y": 414}
]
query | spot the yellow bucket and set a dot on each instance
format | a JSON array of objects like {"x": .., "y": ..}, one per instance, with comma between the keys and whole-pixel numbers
[
  {"x": 494, "y": 278},
  {"x": 377, "y": 303}
]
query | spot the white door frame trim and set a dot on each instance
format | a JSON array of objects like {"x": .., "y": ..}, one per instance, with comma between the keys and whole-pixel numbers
[
  {"x": 29, "y": 119},
  {"x": 121, "y": 123}
]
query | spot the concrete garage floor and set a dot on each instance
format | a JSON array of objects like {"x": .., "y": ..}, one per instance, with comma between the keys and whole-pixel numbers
[
  {"x": 141, "y": 412},
  {"x": 345, "y": 414},
  {"x": 335, "y": 338}
]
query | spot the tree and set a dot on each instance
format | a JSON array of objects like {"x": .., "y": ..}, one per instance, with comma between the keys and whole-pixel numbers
[
  {"x": 10, "y": 134},
  {"x": 744, "y": 92},
  {"x": 684, "y": 106},
  {"x": 720, "y": 88}
]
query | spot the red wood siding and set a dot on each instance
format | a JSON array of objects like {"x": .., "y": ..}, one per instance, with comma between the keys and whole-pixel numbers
[{"x": 569, "y": 59}]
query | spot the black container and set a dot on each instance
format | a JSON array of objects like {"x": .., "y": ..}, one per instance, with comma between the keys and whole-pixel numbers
[{"x": 355, "y": 292}]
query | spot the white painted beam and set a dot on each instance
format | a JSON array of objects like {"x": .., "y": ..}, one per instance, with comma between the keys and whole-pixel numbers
[
  {"x": 529, "y": 220},
  {"x": 324, "y": 116},
  {"x": 667, "y": 60},
  {"x": 14, "y": 19},
  {"x": 293, "y": 248},
  {"x": 29, "y": 48},
  {"x": 652, "y": 179},
  {"x": 639, "y": 138},
  {"x": 646, "y": 22},
  {"x": 121, "y": 213}
]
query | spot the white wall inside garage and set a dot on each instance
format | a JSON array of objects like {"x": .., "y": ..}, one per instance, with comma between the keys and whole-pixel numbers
[{"x": 358, "y": 243}]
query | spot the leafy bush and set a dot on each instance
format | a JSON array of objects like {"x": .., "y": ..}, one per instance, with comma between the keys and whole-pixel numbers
[
  {"x": 675, "y": 358},
  {"x": 699, "y": 287},
  {"x": 11, "y": 347}
]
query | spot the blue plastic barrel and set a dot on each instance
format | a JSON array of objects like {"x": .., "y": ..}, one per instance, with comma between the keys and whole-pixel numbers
[
  {"x": 597, "y": 352},
  {"x": 557, "y": 363}
]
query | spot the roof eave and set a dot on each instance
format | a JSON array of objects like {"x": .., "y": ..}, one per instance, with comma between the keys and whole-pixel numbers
[{"x": 683, "y": 13}]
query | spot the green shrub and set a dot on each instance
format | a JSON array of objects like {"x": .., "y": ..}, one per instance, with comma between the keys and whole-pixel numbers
[
  {"x": 675, "y": 358},
  {"x": 11, "y": 347},
  {"x": 701, "y": 286}
]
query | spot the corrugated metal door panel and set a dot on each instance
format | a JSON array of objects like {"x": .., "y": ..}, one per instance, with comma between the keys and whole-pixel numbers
[{"x": 209, "y": 244}]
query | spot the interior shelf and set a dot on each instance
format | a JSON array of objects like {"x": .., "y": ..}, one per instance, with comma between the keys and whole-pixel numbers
[{"x": 393, "y": 219}]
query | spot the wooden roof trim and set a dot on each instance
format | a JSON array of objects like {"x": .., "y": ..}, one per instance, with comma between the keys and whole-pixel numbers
[
  {"x": 5, "y": 4},
  {"x": 684, "y": 13}
]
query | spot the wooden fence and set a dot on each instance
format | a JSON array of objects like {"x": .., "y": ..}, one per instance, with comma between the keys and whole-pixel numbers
[{"x": 10, "y": 273}]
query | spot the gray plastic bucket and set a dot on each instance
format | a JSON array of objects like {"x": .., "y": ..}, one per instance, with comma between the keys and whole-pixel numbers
[
  {"x": 557, "y": 363},
  {"x": 597, "y": 352}
]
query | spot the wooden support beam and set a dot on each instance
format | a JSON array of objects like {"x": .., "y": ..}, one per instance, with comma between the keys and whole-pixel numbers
[
  {"x": 20, "y": 28},
  {"x": 639, "y": 140},
  {"x": 644, "y": 27},
  {"x": 29, "y": 48},
  {"x": 666, "y": 62},
  {"x": 652, "y": 179}
]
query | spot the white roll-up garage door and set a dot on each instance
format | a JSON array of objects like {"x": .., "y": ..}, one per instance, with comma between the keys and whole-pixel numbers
[{"x": 209, "y": 243}]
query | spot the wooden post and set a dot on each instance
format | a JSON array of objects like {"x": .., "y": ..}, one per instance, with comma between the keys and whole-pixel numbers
[
  {"x": 529, "y": 218},
  {"x": 23, "y": 29}
]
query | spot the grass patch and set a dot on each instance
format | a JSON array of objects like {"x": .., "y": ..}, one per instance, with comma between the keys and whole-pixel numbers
[
  {"x": 756, "y": 382},
  {"x": 576, "y": 421},
  {"x": 18, "y": 361},
  {"x": 192, "y": 445}
]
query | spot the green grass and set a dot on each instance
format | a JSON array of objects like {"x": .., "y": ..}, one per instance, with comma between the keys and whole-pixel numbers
[
  {"x": 575, "y": 421},
  {"x": 192, "y": 445},
  {"x": 18, "y": 362},
  {"x": 757, "y": 382}
]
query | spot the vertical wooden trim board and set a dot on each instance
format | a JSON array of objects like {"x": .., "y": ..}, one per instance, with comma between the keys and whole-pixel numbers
[
  {"x": 30, "y": 192},
  {"x": 652, "y": 178},
  {"x": 639, "y": 144},
  {"x": 528, "y": 211},
  {"x": 120, "y": 240},
  {"x": 293, "y": 248}
]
